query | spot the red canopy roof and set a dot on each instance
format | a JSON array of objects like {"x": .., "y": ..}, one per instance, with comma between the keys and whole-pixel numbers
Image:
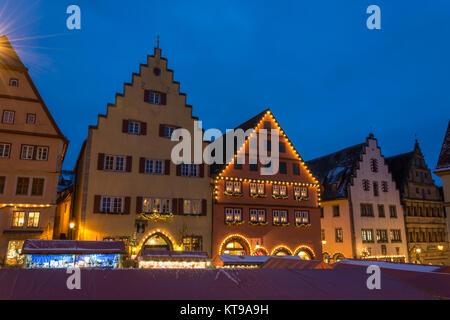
[
  {"x": 214, "y": 284},
  {"x": 280, "y": 263},
  {"x": 35, "y": 246}
]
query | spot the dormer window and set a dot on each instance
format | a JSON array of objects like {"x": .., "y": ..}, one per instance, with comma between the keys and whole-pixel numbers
[{"x": 13, "y": 82}]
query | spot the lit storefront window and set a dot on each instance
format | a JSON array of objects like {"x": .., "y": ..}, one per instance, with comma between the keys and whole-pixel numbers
[{"x": 13, "y": 255}]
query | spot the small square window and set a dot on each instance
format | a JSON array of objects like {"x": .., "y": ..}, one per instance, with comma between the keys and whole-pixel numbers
[
  {"x": 31, "y": 118},
  {"x": 253, "y": 167},
  {"x": 282, "y": 147},
  {"x": 296, "y": 168},
  {"x": 267, "y": 125},
  {"x": 13, "y": 82}
]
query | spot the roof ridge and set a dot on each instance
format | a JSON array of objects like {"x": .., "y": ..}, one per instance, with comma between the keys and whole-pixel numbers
[{"x": 336, "y": 152}]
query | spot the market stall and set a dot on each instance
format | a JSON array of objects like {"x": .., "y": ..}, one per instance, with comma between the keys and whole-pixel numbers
[
  {"x": 67, "y": 253},
  {"x": 165, "y": 259}
]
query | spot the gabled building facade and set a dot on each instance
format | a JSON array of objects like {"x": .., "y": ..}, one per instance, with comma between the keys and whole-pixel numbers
[
  {"x": 127, "y": 188},
  {"x": 362, "y": 217},
  {"x": 443, "y": 171},
  {"x": 426, "y": 226},
  {"x": 32, "y": 150},
  {"x": 257, "y": 214}
]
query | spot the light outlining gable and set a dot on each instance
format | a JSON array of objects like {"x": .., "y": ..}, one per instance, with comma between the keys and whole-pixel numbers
[{"x": 269, "y": 114}]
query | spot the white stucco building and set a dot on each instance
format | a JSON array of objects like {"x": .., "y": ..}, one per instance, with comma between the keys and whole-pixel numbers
[{"x": 362, "y": 216}]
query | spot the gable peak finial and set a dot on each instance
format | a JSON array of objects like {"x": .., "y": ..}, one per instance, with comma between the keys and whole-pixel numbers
[{"x": 157, "y": 41}]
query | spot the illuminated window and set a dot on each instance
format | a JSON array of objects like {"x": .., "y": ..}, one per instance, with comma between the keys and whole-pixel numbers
[
  {"x": 279, "y": 217},
  {"x": 5, "y": 148},
  {"x": 367, "y": 235},
  {"x": 233, "y": 215},
  {"x": 233, "y": 187},
  {"x": 301, "y": 217},
  {"x": 382, "y": 236},
  {"x": 192, "y": 206},
  {"x": 237, "y": 187},
  {"x": 366, "y": 210},
  {"x": 229, "y": 186},
  {"x": 253, "y": 189},
  {"x": 18, "y": 219},
  {"x": 396, "y": 235},
  {"x": 234, "y": 248},
  {"x": 339, "y": 235},
  {"x": 304, "y": 192},
  {"x": 283, "y": 191},
  {"x": 258, "y": 215},
  {"x": 156, "y": 205},
  {"x": 192, "y": 243},
  {"x": 33, "y": 219},
  {"x": 275, "y": 190}
]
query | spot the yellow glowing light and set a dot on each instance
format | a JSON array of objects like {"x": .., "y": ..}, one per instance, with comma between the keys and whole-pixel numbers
[
  {"x": 324, "y": 242},
  {"x": 440, "y": 247},
  {"x": 72, "y": 225},
  {"x": 418, "y": 250}
]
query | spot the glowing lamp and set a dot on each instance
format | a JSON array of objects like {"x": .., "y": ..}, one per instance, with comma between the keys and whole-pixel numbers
[{"x": 72, "y": 225}]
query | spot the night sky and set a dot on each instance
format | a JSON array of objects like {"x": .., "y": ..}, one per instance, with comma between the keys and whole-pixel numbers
[{"x": 326, "y": 77}]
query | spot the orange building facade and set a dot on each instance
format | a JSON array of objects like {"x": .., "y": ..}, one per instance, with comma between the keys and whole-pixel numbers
[{"x": 256, "y": 214}]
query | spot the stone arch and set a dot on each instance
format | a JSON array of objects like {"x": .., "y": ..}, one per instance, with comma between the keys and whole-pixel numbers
[
  {"x": 261, "y": 251},
  {"x": 338, "y": 257}
]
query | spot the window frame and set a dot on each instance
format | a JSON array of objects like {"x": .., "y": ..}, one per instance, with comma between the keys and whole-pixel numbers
[
  {"x": 10, "y": 112},
  {"x": 4, "y": 145}
]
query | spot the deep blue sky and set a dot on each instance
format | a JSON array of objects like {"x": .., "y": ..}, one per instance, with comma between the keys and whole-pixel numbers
[{"x": 327, "y": 78}]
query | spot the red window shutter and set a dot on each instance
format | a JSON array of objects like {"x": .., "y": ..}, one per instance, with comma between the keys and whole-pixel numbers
[
  {"x": 178, "y": 169},
  {"x": 141, "y": 165},
  {"x": 175, "y": 206},
  {"x": 125, "y": 126},
  {"x": 204, "y": 207},
  {"x": 202, "y": 170},
  {"x": 147, "y": 95},
  {"x": 129, "y": 163},
  {"x": 97, "y": 200},
  {"x": 161, "y": 130},
  {"x": 126, "y": 208},
  {"x": 138, "y": 204},
  {"x": 101, "y": 161},
  {"x": 167, "y": 167},
  {"x": 180, "y": 206},
  {"x": 163, "y": 99},
  {"x": 143, "y": 128}
]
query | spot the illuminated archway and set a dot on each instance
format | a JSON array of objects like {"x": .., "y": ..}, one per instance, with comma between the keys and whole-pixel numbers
[
  {"x": 304, "y": 252},
  {"x": 326, "y": 257},
  {"x": 235, "y": 245},
  {"x": 260, "y": 251},
  {"x": 338, "y": 257},
  {"x": 281, "y": 251},
  {"x": 158, "y": 241}
]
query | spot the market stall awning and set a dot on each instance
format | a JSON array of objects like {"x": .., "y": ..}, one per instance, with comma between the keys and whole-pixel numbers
[
  {"x": 244, "y": 260},
  {"x": 152, "y": 254},
  {"x": 281, "y": 263},
  {"x": 35, "y": 246}
]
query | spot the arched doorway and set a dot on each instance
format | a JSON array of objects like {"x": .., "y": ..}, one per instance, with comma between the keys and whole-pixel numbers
[
  {"x": 281, "y": 251},
  {"x": 236, "y": 246},
  {"x": 338, "y": 257},
  {"x": 158, "y": 241},
  {"x": 305, "y": 253}
]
